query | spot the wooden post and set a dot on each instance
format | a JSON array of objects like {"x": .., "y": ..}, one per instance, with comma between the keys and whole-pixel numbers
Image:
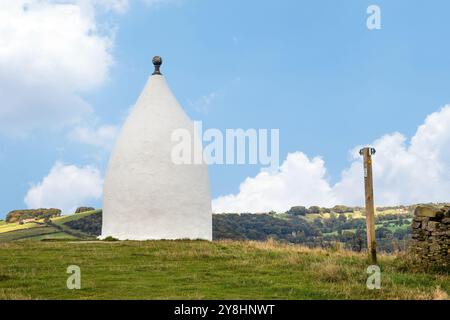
[{"x": 370, "y": 208}]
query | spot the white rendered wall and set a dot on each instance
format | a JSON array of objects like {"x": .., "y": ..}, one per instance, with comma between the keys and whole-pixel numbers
[{"x": 147, "y": 196}]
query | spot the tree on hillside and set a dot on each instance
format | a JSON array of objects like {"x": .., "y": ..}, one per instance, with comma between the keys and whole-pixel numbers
[
  {"x": 318, "y": 223},
  {"x": 342, "y": 209},
  {"x": 84, "y": 209},
  {"x": 298, "y": 211},
  {"x": 314, "y": 209},
  {"x": 17, "y": 215}
]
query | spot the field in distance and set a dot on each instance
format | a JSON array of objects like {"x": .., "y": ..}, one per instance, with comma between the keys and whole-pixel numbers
[{"x": 54, "y": 228}]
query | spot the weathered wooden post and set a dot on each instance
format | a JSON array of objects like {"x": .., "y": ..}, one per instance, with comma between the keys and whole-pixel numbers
[{"x": 370, "y": 208}]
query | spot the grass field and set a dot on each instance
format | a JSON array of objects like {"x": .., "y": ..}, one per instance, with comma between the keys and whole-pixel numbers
[
  {"x": 202, "y": 270},
  {"x": 63, "y": 219},
  {"x": 8, "y": 227}
]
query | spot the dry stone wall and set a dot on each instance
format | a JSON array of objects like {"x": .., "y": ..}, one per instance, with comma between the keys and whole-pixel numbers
[{"x": 431, "y": 235}]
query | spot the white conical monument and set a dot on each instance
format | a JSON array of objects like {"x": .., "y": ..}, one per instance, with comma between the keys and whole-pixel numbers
[{"x": 146, "y": 195}]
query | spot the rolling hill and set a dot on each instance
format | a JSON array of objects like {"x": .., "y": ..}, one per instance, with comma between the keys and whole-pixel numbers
[
  {"x": 56, "y": 228},
  {"x": 315, "y": 230}
]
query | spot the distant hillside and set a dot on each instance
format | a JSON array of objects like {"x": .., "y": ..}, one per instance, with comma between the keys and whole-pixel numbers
[
  {"x": 324, "y": 230},
  {"x": 393, "y": 230},
  {"x": 90, "y": 224},
  {"x": 47, "y": 229}
]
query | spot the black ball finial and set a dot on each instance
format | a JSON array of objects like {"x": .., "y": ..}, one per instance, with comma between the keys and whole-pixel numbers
[{"x": 157, "y": 62}]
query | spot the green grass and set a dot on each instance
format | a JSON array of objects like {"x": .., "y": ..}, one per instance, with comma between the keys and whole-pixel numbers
[
  {"x": 51, "y": 236},
  {"x": 75, "y": 234},
  {"x": 394, "y": 228},
  {"x": 8, "y": 227},
  {"x": 29, "y": 233},
  {"x": 202, "y": 270},
  {"x": 64, "y": 219}
]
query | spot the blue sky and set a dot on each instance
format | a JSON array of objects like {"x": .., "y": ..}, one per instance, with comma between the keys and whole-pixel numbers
[{"x": 310, "y": 68}]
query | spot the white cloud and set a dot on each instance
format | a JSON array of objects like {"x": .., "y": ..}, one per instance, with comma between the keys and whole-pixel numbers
[
  {"x": 66, "y": 187},
  {"x": 90, "y": 6},
  {"x": 404, "y": 172},
  {"x": 50, "y": 52},
  {"x": 298, "y": 180},
  {"x": 122, "y": 6},
  {"x": 102, "y": 136},
  {"x": 119, "y": 6}
]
